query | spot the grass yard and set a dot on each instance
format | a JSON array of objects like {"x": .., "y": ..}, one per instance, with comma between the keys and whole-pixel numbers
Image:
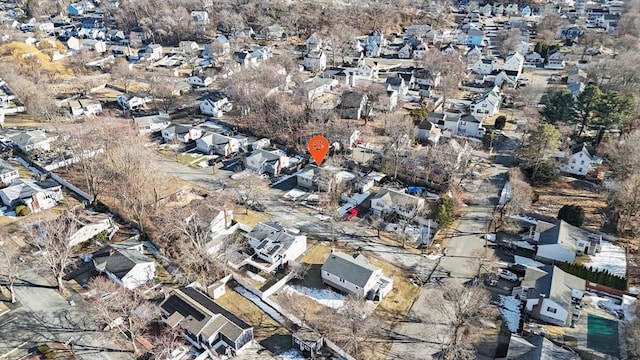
[
  {"x": 266, "y": 330},
  {"x": 20, "y": 52},
  {"x": 250, "y": 217}
]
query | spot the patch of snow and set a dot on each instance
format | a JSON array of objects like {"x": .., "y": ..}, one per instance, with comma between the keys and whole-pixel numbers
[
  {"x": 291, "y": 354},
  {"x": 24, "y": 163},
  {"x": 634, "y": 290},
  {"x": 294, "y": 194},
  {"x": 510, "y": 310},
  {"x": 256, "y": 277},
  {"x": 526, "y": 261},
  {"x": 628, "y": 307},
  {"x": 522, "y": 244},
  {"x": 433, "y": 256},
  {"x": 611, "y": 258},
  {"x": 326, "y": 297},
  {"x": 264, "y": 307}
]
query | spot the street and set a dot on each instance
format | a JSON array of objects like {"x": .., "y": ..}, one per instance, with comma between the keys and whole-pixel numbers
[{"x": 45, "y": 317}]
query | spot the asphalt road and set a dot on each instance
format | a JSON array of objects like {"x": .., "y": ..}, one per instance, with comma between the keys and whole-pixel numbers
[{"x": 45, "y": 316}]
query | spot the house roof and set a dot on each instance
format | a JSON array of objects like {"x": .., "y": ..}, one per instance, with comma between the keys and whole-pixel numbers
[
  {"x": 22, "y": 189},
  {"x": 152, "y": 119},
  {"x": 212, "y": 138},
  {"x": 579, "y": 148},
  {"x": 5, "y": 167},
  {"x": 563, "y": 234},
  {"x": 553, "y": 283},
  {"x": 120, "y": 258},
  {"x": 535, "y": 347},
  {"x": 354, "y": 269},
  {"x": 177, "y": 129},
  {"x": 576, "y": 87},
  {"x": 273, "y": 238},
  {"x": 315, "y": 83},
  {"x": 517, "y": 56},
  {"x": 395, "y": 198},
  {"x": 314, "y": 54},
  {"x": 263, "y": 155},
  {"x": 199, "y": 314},
  {"x": 351, "y": 99},
  {"x": 471, "y": 118},
  {"x": 29, "y": 137}
]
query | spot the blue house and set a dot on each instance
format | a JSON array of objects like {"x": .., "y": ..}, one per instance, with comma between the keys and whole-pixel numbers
[
  {"x": 474, "y": 37},
  {"x": 571, "y": 33},
  {"x": 526, "y": 11},
  {"x": 75, "y": 9}
]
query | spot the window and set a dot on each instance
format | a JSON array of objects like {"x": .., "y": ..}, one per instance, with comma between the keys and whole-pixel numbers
[
  {"x": 580, "y": 170},
  {"x": 551, "y": 310},
  {"x": 573, "y": 161},
  {"x": 582, "y": 162}
]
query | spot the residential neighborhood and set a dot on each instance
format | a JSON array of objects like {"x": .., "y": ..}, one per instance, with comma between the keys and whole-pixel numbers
[{"x": 473, "y": 194}]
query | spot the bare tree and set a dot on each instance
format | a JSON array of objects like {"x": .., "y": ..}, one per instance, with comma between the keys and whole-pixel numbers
[
  {"x": 9, "y": 270},
  {"x": 123, "y": 311},
  {"x": 519, "y": 196},
  {"x": 165, "y": 95},
  {"x": 464, "y": 307},
  {"x": 51, "y": 238},
  {"x": 509, "y": 40},
  {"x": 399, "y": 131},
  {"x": 357, "y": 327},
  {"x": 298, "y": 270},
  {"x": 122, "y": 72}
]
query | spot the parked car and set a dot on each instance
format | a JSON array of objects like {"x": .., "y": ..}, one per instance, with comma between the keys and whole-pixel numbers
[
  {"x": 351, "y": 213},
  {"x": 518, "y": 269},
  {"x": 507, "y": 275}
]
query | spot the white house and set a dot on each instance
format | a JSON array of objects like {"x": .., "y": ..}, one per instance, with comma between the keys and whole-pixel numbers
[
  {"x": 314, "y": 43},
  {"x": 562, "y": 242},
  {"x": 125, "y": 263},
  {"x": 276, "y": 245},
  {"x": 314, "y": 87},
  {"x": 152, "y": 123},
  {"x": 37, "y": 196},
  {"x": 394, "y": 201},
  {"x": 131, "y": 101},
  {"x": 486, "y": 105},
  {"x": 355, "y": 275},
  {"x": 90, "y": 226},
  {"x": 579, "y": 162},
  {"x": 467, "y": 125},
  {"x": 215, "y": 104},
  {"x": 550, "y": 294},
  {"x": 428, "y": 131},
  {"x": 85, "y": 107},
  {"x": 153, "y": 52},
  {"x": 368, "y": 69},
  {"x": 514, "y": 62},
  {"x": 7, "y": 173},
  {"x": 555, "y": 60},
  {"x": 265, "y": 161},
  {"x": 32, "y": 140},
  {"x": 315, "y": 61},
  {"x": 199, "y": 81},
  {"x": 223, "y": 145},
  {"x": 181, "y": 133},
  {"x": 484, "y": 66}
]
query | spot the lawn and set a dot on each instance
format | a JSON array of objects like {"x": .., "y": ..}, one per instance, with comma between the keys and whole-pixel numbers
[
  {"x": 602, "y": 335},
  {"x": 266, "y": 330},
  {"x": 250, "y": 218}
]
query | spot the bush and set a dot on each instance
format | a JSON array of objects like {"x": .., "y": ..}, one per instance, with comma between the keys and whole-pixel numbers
[
  {"x": 22, "y": 210},
  {"x": 573, "y": 214},
  {"x": 602, "y": 277},
  {"x": 445, "y": 212},
  {"x": 500, "y": 123}
]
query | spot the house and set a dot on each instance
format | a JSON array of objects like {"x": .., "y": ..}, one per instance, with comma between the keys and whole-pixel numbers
[
  {"x": 405, "y": 52},
  {"x": 85, "y": 107},
  {"x": 353, "y": 274},
  {"x": 468, "y": 125},
  {"x": 73, "y": 43},
  {"x": 396, "y": 83},
  {"x": 428, "y": 131},
  {"x": 533, "y": 59},
  {"x": 486, "y": 10},
  {"x": 314, "y": 87},
  {"x": 7, "y": 173},
  {"x": 526, "y": 11},
  {"x": 189, "y": 47},
  {"x": 577, "y": 76},
  {"x": 115, "y": 35},
  {"x": 576, "y": 88},
  {"x": 314, "y": 43},
  {"x": 223, "y": 145},
  {"x": 555, "y": 60},
  {"x": 200, "y": 17},
  {"x": 151, "y": 123},
  {"x": 536, "y": 347},
  {"x": 36, "y": 195},
  {"x": 220, "y": 46},
  {"x": 368, "y": 69},
  {"x": 119, "y": 51},
  {"x": 80, "y": 8},
  {"x": 339, "y": 74},
  {"x": 498, "y": 9},
  {"x": 205, "y": 324},
  {"x": 488, "y": 104},
  {"x": 153, "y": 52},
  {"x": 522, "y": 47},
  {"x": 32, "y": 140},
  {"x": 91, "y": 226},
  {"x": 265, "y": 161},
  {"x": 550, "y": 294},
  {"x": 473, "y": 56},
  {"x": 473, "y": 37},
  {"x": 308, "y": 341},
  {"x": 274, "y": 245},
  {"x": 199, "y": 81},
  {"x": 484, "y": 66},
  {"x": 426, "y": 77},
  {"x": 245, "y": 59},
  {"x": 375, "y": 42},
  {"x": 352, "y": 105},
  {"x": 215, "y": 104},
  {"x": 9, "y": 102},
  {"x": 98, "y": 46},
  {"x": 132, "y": 101},
  {"x": 389, "y": 201},
  {"x": 579, "y": 162},
  {"x": 315, "y": 61},
  {"x": 514, "y": 62},
  {"x": 512, "y": 10},
  {"x": 262, "y": 53},
  {"x": 125, "y": 263},
  {"x": 180, "y": 133},
  {"x": 505, "y": 80},
  {"x": 562, "y": 242}
]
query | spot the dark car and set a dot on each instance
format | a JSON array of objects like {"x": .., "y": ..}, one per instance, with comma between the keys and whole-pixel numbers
[{"x": 518, "y": 269}]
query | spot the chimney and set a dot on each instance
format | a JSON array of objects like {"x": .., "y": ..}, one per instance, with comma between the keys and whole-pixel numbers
[{"x": 535, "y": 312}]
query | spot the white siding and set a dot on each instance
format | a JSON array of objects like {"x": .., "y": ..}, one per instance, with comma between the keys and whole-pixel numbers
[{"x": 555, "y": 252}]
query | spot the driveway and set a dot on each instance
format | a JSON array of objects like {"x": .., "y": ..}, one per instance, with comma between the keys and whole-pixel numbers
[{"x": 45, "y": 316}]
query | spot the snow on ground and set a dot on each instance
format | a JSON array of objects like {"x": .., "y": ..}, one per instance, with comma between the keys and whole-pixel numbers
[
  {"x": 611, "y": 258},
  {"x": 292, "y": 354},
  {"x": 614, "y": 306},
  {"x": 510, "y": 310},
  {"x": 433, "y": 256},
  {"x": 256, "y": 300},
  {"x": 326, "y": 297}
]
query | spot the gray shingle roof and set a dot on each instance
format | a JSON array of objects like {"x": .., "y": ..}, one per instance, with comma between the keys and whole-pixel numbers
[
  {"x": 537, "y": 347},
  {"x": 354, "y": 269},
  {"x": 563, "y": 234},
  {"x": 554, "y": 283}
]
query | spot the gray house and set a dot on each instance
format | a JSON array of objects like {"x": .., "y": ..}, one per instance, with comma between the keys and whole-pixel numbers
[
  {"x": 355, "y": 275},
  {"x": 352, "y": 105}
]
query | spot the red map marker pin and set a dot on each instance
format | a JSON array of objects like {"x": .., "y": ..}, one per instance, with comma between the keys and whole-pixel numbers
[{"x": 318, "y": 147}]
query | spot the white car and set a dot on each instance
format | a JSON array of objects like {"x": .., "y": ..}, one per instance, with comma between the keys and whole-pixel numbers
[{"x": 507, "y": 275}]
